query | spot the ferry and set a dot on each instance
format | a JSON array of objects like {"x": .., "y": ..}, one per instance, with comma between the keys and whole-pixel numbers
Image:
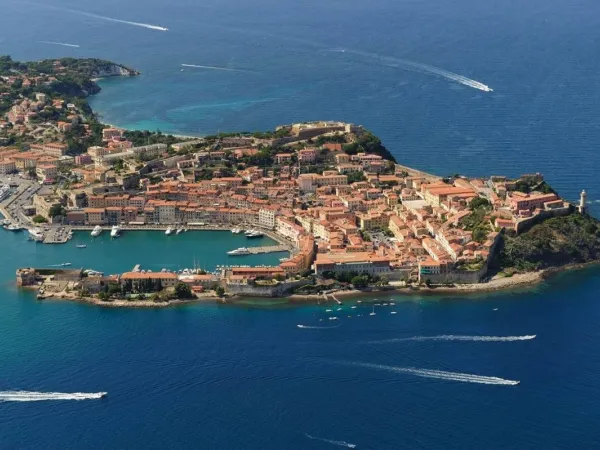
[
  {"x": 169, "y": 231},
  {"x": 239, "y": 251},
  {"x": 114, "y": 232},
  {"x": 96, "y": 231},
  {"x": 36, "y": 234}
]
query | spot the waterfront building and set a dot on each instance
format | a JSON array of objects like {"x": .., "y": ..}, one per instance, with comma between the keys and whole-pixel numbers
[{"x": 359, "y": 262}]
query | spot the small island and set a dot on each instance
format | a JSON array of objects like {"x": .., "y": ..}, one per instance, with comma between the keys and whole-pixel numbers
[{"x": 355, "y": 219}]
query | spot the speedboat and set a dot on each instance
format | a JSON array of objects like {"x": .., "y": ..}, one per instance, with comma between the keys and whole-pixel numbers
[
  {"x": 114, "y": 232},
  {"x": 169, "y": 231},
  {"x": 239, "y": 251},
  {"x": 65, "y": 264},
  {"x": 96, "y": 231}
]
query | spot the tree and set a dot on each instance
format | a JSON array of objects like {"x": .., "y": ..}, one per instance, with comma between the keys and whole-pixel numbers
[
  {"x": 113, "y": 289},
  {"x": 220, "y": 291},
  {"x": 56, "y": 210},
  {"x": 182, "y": 290},
  {"x": 103, "y": 296},
  {"x": 39, "y": 219},
  {"x": 360, "y": 281},
  {"x": 478, "y": 203}
]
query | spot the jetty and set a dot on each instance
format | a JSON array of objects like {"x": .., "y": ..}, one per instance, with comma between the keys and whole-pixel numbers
[{"x": 269, "y": 249}]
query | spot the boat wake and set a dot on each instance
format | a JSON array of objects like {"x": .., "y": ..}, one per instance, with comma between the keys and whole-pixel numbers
[
  {"x": 419, "y": 67},
  {"x": 312, "y": 327},
  {"x": 112, "y": 19},
  {"x": 27, "y": 396},
  {"x": 59, "y": 43},
  {"x": 331, "y": 441},
  {"x": 453, "y": 337},
  {"x": 226, "y": 69},
  {"x": 437, "y": 374}
]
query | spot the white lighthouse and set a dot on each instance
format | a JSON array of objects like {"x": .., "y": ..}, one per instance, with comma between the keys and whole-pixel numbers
[{"x": 582, "y": 202}]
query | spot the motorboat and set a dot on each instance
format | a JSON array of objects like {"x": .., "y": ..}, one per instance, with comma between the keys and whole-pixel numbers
[
  {"x": 36, "y": 234},
  {"x": 254, "y": 234},
  {"x": 169, "y": 231},
  {"x": 236, "y": 231},
  {"x": 96, "y": 231},
  {"x": 179, "y": 231},
  {"x": 239, "y": 251},
  {"x": 114, "y": 232},
  {"x": 81, "y": 246}
]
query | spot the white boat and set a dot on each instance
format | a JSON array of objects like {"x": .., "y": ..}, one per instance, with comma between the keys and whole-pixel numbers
[
  {"x": 236, "y": 231},
  {"x": 179, "y": 231},
  {"x": 372, "y": 313},
  {"x": 239, "y": 251},
  {"x": 14, "y": 228},
  {"x": 393, "y": 312},
  {"x": 254, "y": 234},
  {"x": 96, "y": 231},
  {"x": 36, "y": 234},
  {"x": 65, "y": 264},
  {"x": 169, "y": 231},
  {"x": 114, "y": 232},
  {"x": 81, "y": 246}
]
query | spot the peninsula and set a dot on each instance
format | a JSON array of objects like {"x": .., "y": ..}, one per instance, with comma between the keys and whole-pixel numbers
[{"x": 354, "y": 217}]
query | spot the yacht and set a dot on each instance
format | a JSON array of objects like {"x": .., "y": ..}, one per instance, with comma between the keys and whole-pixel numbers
[
  {"x": 236, "y": 231},
  {"x": 96, "y": 231},
  {"x": 14, "y": 227},
  {"x": 114, "y": 232},
  {"x": 36, "y": 234},
  {"x": 179, "y": 231},
  {"x": 254, "y": 234},
  {"x": 4, "y": 191},
  {"x": 169, "y": 231},
  {"x": 239, "y": 251}
]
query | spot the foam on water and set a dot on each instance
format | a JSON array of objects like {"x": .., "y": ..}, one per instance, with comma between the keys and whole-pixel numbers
[
  {"x": 331, "y": 441},
  {"x": 453, "y": 337},
  {"x": 28, "y": 396}
]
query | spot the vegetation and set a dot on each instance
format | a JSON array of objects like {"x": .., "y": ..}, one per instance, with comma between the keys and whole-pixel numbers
[
  {"x": 56, "y": 210},
  {"x": 555, "y": 242},
  {"x": 369, "y": 143},
  {"x": 39, "y": 219},
  {"x": 478, "y": 221},
  {"x": 183, "y": 291},
  {"x": 356, "y": 177},
  {"x": 220, "y": 291}
]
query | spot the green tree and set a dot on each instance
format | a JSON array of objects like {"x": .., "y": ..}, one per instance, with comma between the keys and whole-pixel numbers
[
  {"x": 103, "y": 296},
  {"x": 220, "y": 291},
  {"x": 39, "y": 219},
  {"x": 360, "y": 281},
  {"x": 478, "y": 203},
  {"x": 56, "y": 210},
  {"x": 182, "y": 290}
]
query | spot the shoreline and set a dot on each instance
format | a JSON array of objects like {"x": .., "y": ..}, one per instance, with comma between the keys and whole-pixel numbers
[{"x": 495, "y": 285}]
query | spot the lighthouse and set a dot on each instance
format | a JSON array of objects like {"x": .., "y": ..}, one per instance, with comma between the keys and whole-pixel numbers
[{"x": 582, "y": 201}]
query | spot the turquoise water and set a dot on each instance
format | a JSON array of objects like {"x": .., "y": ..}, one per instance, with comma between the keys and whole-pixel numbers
[
  {"x": 151, "y": 249},
  {"x": 207, "y": 376}
]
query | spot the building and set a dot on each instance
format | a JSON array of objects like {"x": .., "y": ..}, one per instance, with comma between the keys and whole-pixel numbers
[
  {"x": 148, "y": 282},
  {"x": 359, "y": 262},
  {"x": 7, "y": 166}
]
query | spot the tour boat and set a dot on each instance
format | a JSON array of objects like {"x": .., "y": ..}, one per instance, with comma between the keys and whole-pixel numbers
[
  {"x": 96, "y": 231},
  {"x": 169, "y": 231},
  {"x": 239, "y": 251},
  {"x": 114, "y": 232}
]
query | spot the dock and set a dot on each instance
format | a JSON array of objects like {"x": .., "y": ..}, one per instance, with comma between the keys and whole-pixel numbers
[{"x": 270, "y": 249}]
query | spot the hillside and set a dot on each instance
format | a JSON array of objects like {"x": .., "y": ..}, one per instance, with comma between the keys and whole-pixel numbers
[{"x": 573, "y": 239}]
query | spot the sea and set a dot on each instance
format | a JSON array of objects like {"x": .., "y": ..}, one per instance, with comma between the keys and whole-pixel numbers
[{"x": 442, "y": 372}]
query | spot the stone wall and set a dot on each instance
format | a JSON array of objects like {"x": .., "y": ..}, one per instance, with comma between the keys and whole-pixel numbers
[
  {"x": 277, "y": 290},
  {"x": 525, "y": 224}
]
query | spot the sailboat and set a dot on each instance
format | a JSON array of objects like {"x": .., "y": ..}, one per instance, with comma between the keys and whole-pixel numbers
[{"x": 372, "y": 313}]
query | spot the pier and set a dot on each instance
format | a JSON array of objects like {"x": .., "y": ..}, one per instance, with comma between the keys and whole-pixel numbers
[{"x": 270, "y": 249}]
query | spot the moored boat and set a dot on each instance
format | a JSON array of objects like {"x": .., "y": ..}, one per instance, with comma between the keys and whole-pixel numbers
[{"x": 96, "y": 231}]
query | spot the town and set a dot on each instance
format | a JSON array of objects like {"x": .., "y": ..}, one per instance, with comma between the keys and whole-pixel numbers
[{"x": 329, "y": 190}]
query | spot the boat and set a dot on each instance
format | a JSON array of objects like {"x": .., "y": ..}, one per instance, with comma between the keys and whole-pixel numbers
[
  {"x": 373, "y": 312},
  {"x": 169, "y": 231},
  {"x": 254, "y": 234},
  {"x": 179, "y": 231},
  {"x": 14, "y": 228},
  {"x": 394, "y": 312},
  {"x": 236, "y": 231},
  {"x": 65, "y": 264},
  {"x": 239, "y": 251},
  {"x": 96, "y": 231},
  {"x": 36, "y": 234},
  {"x": 114, "y": 232},
  {"x": 81, "y": 246}
]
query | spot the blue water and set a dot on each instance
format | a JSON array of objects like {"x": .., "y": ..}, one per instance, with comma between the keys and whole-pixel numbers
[{"x": 223, "y": 377}]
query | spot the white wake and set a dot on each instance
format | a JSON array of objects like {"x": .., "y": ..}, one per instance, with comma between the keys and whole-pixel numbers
[
  {"x": 312, "y": 327},
  {"x": 111, "y": 19},
  {"x": 437, "y": 374},
  {"x": 27, "y": 396},
  {"x": 420, "y": 67},
  {"x": 331, "y": 441},
  {"x": 453, "y": 337},
  {"x": 60, "y": 43},
  {"x": 226, "y": 69}
]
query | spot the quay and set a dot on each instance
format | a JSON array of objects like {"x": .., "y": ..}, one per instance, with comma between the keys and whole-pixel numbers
[{"x": 269, "y": 249}]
